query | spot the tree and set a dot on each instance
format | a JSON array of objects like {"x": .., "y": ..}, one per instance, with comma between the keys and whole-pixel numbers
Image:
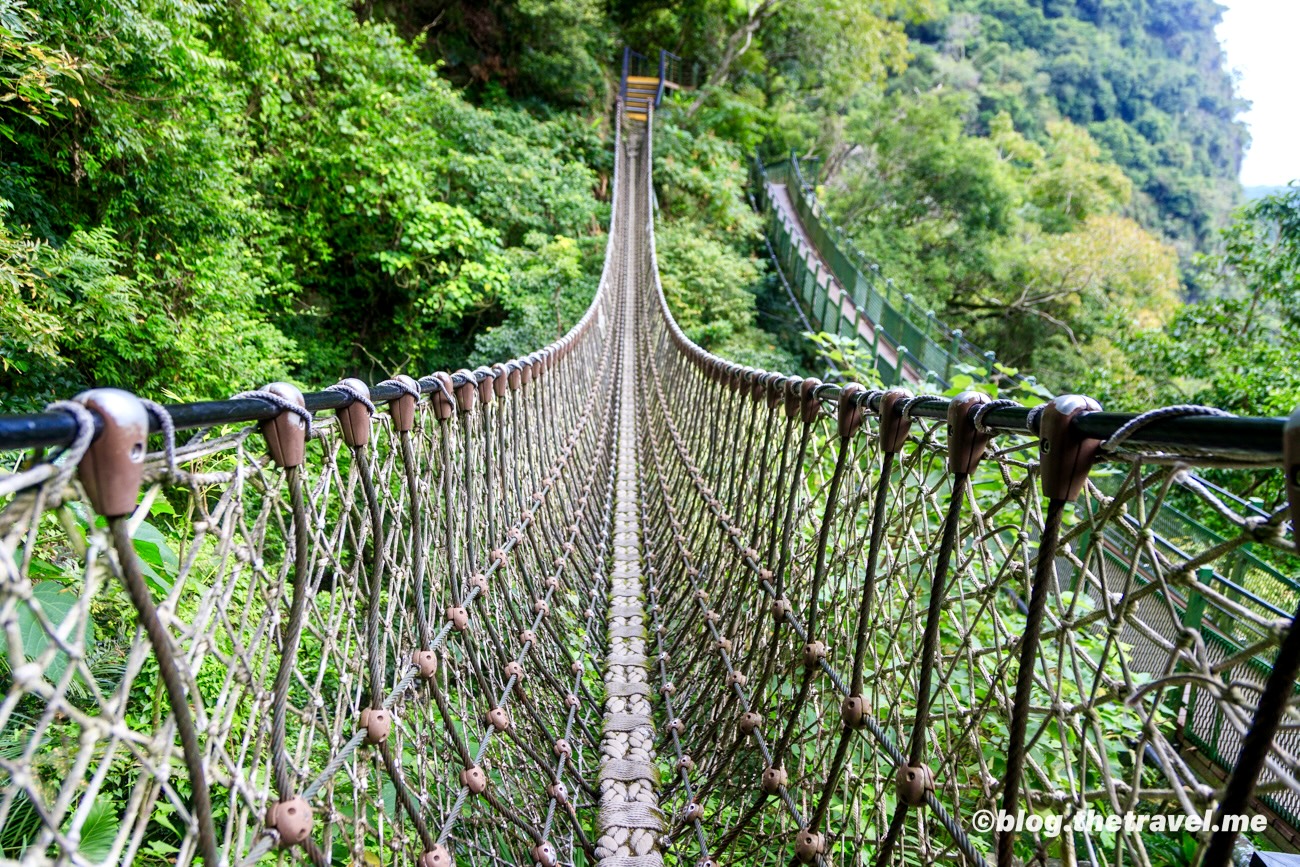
[
  {"x": 1147, "y": 80},
  {"x": 1239, "y": 350},
  {"x": 1074, "y": 181},
  {"x": 1071, "y": 296},
  {"x": 278, "y": 185},
  {"x": 1019, "y": 243},
  {"x": 34, "y": 76},
  {"x": 707, "y": 242}
]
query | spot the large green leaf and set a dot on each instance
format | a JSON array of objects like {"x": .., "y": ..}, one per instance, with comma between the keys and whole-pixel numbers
[
  {"x": 156, "y": 557},
  {"x": 56, "y": 602},
  {"x": 21, "y": 827},
  {"x": 158, "y": 562},
  {"x": 98, "y": 831}
]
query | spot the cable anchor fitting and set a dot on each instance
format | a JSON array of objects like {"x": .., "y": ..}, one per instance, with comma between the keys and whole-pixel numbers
[
  {"x": 291, "y": 819},
  {"x": 441, "y": 397},
  {"x": 808, "y": 846},
  {"x": 438, "y": 856},
  {"x": 401, "y": 409},
  {"x": 850, "y": 412},
  {"x": 466, "y": 392},
  {"x": 354, "y": 419},
  {"x": 286, "y": 434},
  {"x": 966, "y": 443},
  {"x": 1065, "y": 456},
  {"x": 112, "y": 469},
  {"x": 377, "y": 724},
  {"x": 895, "y": 425},
  {"x": 912, "y": 782}
]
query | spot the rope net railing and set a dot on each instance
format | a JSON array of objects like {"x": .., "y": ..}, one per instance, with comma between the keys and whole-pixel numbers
[
  {"x": 622, "y": 602},
  {"x": 884, "y": 618},
  {"x": 370, "y": 638}
]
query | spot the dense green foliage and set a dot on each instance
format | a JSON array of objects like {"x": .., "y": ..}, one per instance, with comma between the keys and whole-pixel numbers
[
  {"x": 705, "y": 245},
  {"x": 1039, "y": 173},
  {"x": 1055, "y": 177},
  {"x": 1238, "y": 350},
  {"x": 279, "y": 186},
  {"x": 318, "y": 190},
  {"x": 1145, "y": 77},
  {"x": 547, "y": 54},
  {"x": 1023, "y": 245}
]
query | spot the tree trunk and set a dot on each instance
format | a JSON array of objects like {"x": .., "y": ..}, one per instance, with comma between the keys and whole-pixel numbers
[{"x": 737, "y": 44}]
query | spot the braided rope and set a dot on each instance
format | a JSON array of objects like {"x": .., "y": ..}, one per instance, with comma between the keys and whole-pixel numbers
[
  {"x": 646, "y": 606},
  {"x": 281, "y": 404},
  {"x": 357, "y": 397}
]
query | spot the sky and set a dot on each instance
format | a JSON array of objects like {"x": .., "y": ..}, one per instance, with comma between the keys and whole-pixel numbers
[{"x": 1260, "y": 39}]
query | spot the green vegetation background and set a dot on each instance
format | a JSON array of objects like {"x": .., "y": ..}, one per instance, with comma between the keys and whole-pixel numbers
[{"x": 197, "y": 198}]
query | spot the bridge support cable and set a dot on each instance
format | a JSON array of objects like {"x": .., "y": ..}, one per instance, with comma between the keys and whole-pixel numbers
[
  {"x": 622, "y": 602},
  {"x": 386, "y": 634},
  {"x": 940, "y": 566}
]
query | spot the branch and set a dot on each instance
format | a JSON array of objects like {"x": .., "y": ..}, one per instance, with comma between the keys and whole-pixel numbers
[
  {"x": 737, "y": 44},
  {"x": 995, "y": 307}
]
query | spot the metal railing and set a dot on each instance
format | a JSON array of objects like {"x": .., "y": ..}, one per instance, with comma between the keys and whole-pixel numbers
[
  {"x": 622, "y": 600},
  {"x": 668, "y": 68},
  {"x": 933, "y": 352}
]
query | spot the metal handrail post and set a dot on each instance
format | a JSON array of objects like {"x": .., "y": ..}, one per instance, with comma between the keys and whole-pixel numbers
[
  {"x": 659, "y": 93},
  {"x": 627, "y": 59}
]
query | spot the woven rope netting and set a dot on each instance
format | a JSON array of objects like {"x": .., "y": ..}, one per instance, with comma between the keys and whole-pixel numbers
[
  {"x": 407, "y": 639},
  {"x": 799, "y": 563}
]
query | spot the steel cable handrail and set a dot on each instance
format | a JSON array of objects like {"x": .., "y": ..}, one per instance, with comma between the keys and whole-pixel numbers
[
  {"x": 486, "y": 470},
  {"x": 392, "y": 623},
  {"x": 726, "y": 400}
]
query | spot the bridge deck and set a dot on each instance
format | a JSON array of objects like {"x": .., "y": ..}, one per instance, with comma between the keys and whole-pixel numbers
[{"x": 630, "y": 822}]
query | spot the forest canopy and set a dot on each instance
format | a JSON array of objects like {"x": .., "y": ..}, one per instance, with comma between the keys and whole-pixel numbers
[
  {"x": 322, "y": 189},
  {"x": 286, "y": 188}
]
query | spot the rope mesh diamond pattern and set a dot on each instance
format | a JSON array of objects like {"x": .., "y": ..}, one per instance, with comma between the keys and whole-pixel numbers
[
  {"x": 625, "y": 603},
  {"x": 400, "y": 634},
  {"x": 797, "y": 569}
]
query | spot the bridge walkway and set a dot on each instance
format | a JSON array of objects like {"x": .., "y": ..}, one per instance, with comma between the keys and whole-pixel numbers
[
  {"x": 630, "y": 819},
  {"x": 620, "y": 601}
]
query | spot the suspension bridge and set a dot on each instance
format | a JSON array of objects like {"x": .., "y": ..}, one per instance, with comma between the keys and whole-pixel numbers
[{"x": 622, "y": 602}]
